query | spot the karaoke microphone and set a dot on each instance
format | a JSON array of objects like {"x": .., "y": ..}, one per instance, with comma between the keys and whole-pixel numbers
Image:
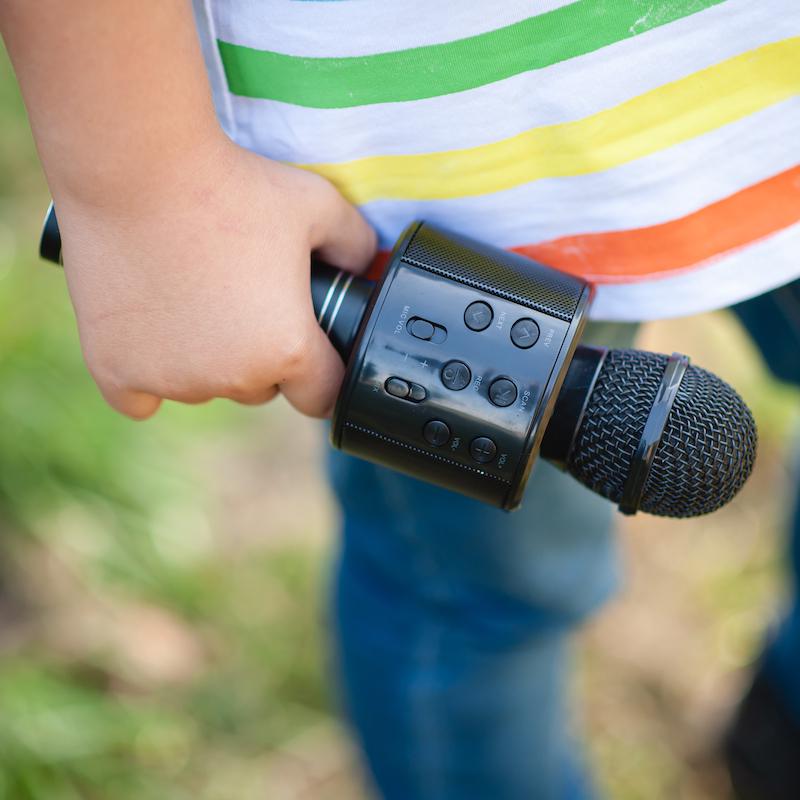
[{"x": 463, "y": 365}]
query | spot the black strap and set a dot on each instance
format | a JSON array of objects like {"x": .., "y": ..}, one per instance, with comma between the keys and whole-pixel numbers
[{"x": 652, "y": 433}]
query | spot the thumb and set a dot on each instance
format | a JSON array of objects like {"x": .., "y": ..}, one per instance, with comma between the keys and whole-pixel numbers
[{"x": 340, "y": 235}]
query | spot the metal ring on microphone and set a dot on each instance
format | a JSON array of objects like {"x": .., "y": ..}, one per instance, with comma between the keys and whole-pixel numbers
[
  {"x": 651, "y": 435},
  {"x": 329, "y": 295},
  {"x": 339, "y": 301}
]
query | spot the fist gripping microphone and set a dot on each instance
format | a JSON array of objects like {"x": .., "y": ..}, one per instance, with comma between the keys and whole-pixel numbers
[{"x": 463, "y": 366}]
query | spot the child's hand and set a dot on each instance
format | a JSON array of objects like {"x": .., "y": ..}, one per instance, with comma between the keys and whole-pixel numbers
[{"x": 200, "y": 288}]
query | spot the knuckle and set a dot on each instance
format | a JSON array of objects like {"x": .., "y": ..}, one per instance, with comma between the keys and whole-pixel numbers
[
  {"x": 245, "y": 381},
  {"x": 294, "y": 357},
  {"x": 238, "y": 385},
  {"x": 327, "y": 205}
]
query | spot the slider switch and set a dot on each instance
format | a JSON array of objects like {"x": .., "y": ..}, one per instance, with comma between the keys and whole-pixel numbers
[
  {"x": 426, "y": 330},
  {"x": 405, "y": 390},
  {"x": 421, "y": 329},
  {"x": 397, "y": 387},
  {"x": 417, "y": 393}
]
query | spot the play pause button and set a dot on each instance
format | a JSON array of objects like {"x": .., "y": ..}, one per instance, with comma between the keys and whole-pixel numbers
[{"x": 456, "y": 375}]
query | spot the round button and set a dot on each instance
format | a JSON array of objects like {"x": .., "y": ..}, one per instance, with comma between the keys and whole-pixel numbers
[
  {"x": 524, "y": 333},
  {"x": 421, "y": 329},
  {"x": 436, "y": 432},
  {"x": 478, "y": 316},
  {"x": 503, "y": 392},
  {"x": 456, "y": 375},
  {"x": 482, "y": 449}
]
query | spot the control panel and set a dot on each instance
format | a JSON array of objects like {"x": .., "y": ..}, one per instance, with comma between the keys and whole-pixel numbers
[{"x": 450, "y": 382}]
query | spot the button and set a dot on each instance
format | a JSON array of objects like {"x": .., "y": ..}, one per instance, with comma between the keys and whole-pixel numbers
[
  {"x": 456, "y": 375},
  {"x": 478, "y": 316},
  {"x": 503, "y": 392},
  {"x": 421, "y": 329},
  {"x": 524, "y": 333},
  {"x": 482, "y": 449},
  {"x": 436, "y": 433},
  {"x": 397, "y": 387},
  {"x": 417, "y": 393}
]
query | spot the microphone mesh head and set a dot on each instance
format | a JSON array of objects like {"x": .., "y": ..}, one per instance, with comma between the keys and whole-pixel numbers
[{"x": 706, "y": 452}]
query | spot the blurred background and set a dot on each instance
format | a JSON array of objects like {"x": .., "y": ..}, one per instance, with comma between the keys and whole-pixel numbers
[{"x": 162, "y": 585}]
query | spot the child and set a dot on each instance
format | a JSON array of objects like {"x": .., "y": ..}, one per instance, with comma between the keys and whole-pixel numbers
[{"x": 648, "y": 146}]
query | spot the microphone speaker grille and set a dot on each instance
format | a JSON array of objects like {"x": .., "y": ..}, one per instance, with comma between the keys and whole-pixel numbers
[{"x": 705, "y": 455}]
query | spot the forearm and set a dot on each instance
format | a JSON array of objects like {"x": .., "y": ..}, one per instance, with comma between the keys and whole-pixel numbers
[{"x": 116, "y": 92}]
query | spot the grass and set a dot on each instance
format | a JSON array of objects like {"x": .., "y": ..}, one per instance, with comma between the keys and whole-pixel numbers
[{"x": 143, "y": 653}]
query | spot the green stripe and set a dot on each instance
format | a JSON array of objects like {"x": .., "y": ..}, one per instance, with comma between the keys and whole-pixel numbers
[{"x": 434, "y": 70}]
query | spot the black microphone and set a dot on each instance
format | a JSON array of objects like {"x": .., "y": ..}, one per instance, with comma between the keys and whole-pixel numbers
[
  {"x": 706, "y": 451},
  {"x": 647, "y": 431}
]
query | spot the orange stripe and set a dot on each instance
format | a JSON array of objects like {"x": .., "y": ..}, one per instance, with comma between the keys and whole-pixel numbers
[
  {"x": 620, "y": 256},
  {"x": 642, "y": 253},
  {"x": 378, "y": 265}
]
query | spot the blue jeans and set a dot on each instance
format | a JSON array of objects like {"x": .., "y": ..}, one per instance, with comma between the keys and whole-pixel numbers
[
  {"x": 782, "y": 654},
  {"x": 452, "y": 624},
  {"x": 773, "y": 321}
]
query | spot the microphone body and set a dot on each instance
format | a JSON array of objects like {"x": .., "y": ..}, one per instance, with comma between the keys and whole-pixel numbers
[
  {"x": 463, "y": 365},
  {"x": 456, "y": 367}
]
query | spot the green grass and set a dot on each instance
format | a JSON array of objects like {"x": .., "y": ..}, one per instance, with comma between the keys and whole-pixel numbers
[{"x": 105, "y": 523}]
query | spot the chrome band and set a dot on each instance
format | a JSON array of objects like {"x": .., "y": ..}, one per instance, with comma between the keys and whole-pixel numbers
[
  {"x": 329, "y": 295},
  {"x": 339, "y": 301}
]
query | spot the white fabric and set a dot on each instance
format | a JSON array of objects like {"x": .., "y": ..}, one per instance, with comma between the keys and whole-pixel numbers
[
  {"x": 563, "y": 92},
  {"x": 649, "y": 191}
]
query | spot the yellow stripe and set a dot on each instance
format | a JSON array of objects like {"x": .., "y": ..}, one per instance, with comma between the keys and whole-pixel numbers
[{"x": 661, "y": 118}]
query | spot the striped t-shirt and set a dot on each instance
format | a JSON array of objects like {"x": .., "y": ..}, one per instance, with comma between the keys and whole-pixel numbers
[{"x": 651, "y": 146}]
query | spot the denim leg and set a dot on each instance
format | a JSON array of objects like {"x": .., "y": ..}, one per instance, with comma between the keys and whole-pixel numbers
[
  {"x": 782, "y": 655},
  {"x": 773, "y": 321},
  {"x": 452, "y": 621}
]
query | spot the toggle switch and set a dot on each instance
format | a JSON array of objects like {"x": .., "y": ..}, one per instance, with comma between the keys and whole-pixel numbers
[
  {"x": 421, "y": 329},
  {"x": 426, "y": 330},
  {"x": 405, "y": 390},
  {"x": 397, "y": 387}
]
